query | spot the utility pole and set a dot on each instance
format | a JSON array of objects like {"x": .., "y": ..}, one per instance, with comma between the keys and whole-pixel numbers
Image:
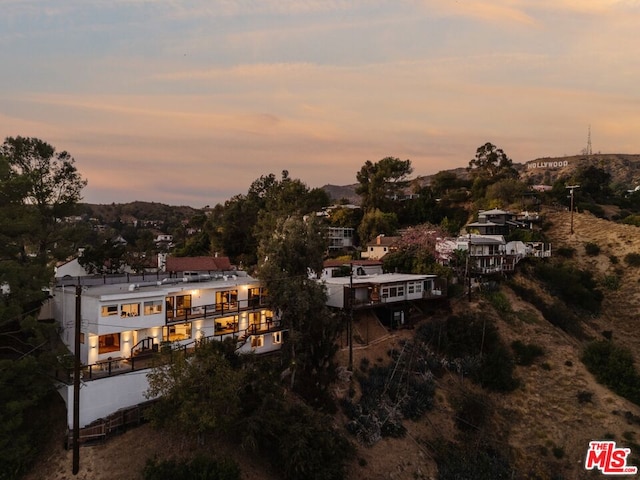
[
  {"x": 76, "y": 382},
  {"x": 571, "y": 189},
  {"x": 350, "y": 317}
]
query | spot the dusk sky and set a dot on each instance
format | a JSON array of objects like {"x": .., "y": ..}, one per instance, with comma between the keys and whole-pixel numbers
[{"x": 188, "y": 102}]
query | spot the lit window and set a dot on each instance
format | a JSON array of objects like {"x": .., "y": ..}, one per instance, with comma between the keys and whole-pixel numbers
[
  {"x": 109, "y": 310},
  {"x": 257, "y": 341},
  {"x": 153, "y": 307},
  {"x": 109, "y": 343},
  {"x": 130, "y": 310},
  {"x": 277, "y": 338},
  {"x": 179, "y": 331}
]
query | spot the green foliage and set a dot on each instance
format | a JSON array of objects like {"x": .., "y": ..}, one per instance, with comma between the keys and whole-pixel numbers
[
  {"x": 376, "y": 222},
  {"x": 200, "y": 468},
  {"x": 555, "y": 313},
  {"x": 632, "y": 259},
  {"x": 611, "y": 282},
  {"x": 501, "y": 303},
  {"x": 592, "y": 249},
  {"x": 24, "y": 423},
  {"x": 526, "y": 353},
  {"x": 566, "y": 252},
  {"x": 300, "y": 443},
  {"x": 472, "y": 411},
  {"x": 289, "y": 252},
  {"x": 474, "y": 340},
  {"x": 200, "y": 394},
  {"x": 379, "y": 182},
  {"x": 574, "y": 286},
  {"x": 613, "y": 366},
  {"x": 506, "y": 191},
  {"x": 389, "y": 394},
  {"x": 631, "y": 220}
]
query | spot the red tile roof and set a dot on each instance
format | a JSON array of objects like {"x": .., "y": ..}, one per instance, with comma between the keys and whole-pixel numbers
[{"x": 198, "y": 264}]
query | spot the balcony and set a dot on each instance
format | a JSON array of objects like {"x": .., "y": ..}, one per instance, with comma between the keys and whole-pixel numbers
[{"x": 186, "y": 314}]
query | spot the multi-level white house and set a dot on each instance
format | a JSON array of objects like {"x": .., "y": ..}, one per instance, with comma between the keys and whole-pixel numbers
[{"x": 124, "y": 322}]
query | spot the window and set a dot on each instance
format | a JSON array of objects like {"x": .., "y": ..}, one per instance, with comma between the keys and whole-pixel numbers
[
  {"x": 109, "y": 343},
  {"x": 277, "y": 338},
  {"x": 109, "y": 310},
  {"x": 153, "y": 307},
  {"x": 82, "y": 338},
  {"x": 178, "y": 306},
  {"x": 130, "y": 310},
  {"x": 179, "y": 331},
  {"x": 227, "y": 300},
  {"x": 257, "y": 341}
]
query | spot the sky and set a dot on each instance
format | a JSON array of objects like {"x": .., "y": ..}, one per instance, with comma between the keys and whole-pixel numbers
[{"x": 189, "y": 102}]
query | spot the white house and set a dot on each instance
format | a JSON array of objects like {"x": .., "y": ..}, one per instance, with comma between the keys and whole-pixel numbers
[{"x": 121, "y": 323}]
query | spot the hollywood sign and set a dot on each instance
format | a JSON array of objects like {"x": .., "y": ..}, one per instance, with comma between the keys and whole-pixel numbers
[{"x": 532, "y": 165}]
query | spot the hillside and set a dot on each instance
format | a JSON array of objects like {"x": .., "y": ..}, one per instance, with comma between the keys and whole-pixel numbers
[
  {"x": 542, "y": 426},
  {"x": 623, "y": 168}
]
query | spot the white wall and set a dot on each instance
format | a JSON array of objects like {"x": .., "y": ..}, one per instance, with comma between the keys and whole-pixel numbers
[{"x": 100, "y": 398}]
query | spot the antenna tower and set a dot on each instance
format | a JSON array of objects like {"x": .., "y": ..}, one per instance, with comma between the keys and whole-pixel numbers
[{"x": 589, "y": 151}]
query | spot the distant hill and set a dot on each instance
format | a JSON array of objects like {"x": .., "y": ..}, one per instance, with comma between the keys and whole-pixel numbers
[
  {"x": 137, "y": 211},
  {"x": 623, "y": 168}
]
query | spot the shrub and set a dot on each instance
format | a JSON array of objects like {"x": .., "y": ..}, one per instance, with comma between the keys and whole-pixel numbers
[
  {"x": 566, "y": 252},
  {"x": 525, "y": 354},
  {"x": 584, "y": 397},
  {"x": 613, "y": 259},
  {"x": 611, "y": 282},
  {"x": 472, "y": 411},
  {"x": 558, "y": 452},
  {"x": 592, "y": 249},
  {"x": 574, "y": 286},
  {"x": 613, "y": 366},
  {"x": 632, "y": 259}
]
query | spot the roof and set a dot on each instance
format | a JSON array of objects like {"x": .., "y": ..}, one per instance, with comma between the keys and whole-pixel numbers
[
  {"x": 380, "y": 279},
  {"x": 359, "y": 263},
  {"x": 494, "y": 211},
  {"x": 383, "y": 241},
  {"x": 161, "y": 289},
  {"x": 198, "y": 264}
]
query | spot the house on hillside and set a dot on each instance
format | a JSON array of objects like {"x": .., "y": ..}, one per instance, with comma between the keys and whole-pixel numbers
[
  {"x": 123, "y": 323},
  {"x": 340, "y": 238},
  {"x": 391, "y": 295},
  {"x": 490, "y": 254},
  {"x": 379, "y": 247}
]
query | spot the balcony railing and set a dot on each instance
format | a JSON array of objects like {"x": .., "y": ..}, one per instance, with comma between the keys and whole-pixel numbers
[{"x": 184, "y": 314}]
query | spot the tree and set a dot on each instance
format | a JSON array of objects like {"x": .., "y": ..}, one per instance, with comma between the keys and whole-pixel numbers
[
  {"x": 236, "y": 227},
  {"x": 376, "y": 222},
  {"x": 491, "y": 161},
  {"x": 199, "y": 394},
  {"x": 287, "y": 257},
  {"x": 53, "y": 183},
  {"x": 379, "y": 182},
  {"x": 26, "y": 345}
]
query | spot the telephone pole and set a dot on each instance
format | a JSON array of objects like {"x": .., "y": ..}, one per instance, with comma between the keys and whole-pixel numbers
[
  {"x": 350, "y": 317},
  {"x": 571, "y": 189},
  {"x": 76, "y": 382}
]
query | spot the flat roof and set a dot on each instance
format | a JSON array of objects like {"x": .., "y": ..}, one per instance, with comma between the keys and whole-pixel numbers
[
  {"x": 154, "y": 289},
  {"x": 378, "y": 279}
]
